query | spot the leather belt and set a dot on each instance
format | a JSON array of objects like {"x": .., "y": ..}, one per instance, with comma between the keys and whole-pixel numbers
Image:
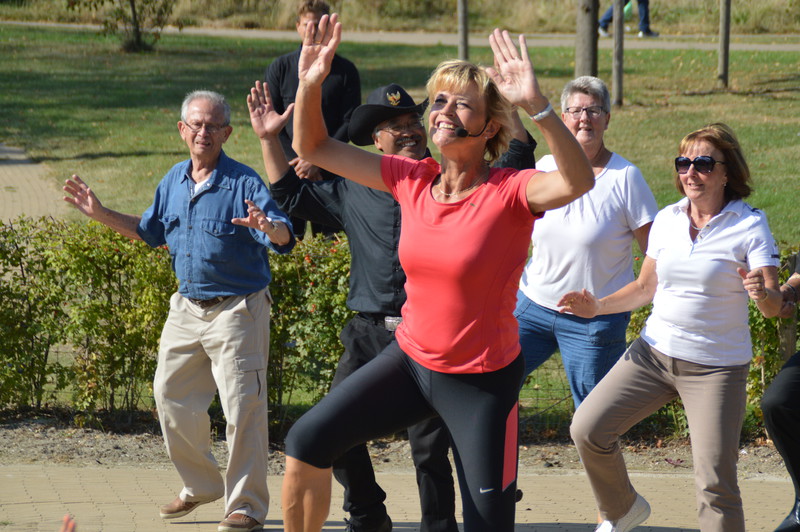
[
  {"x": 208, "y": 303},
  {"x": 389, "y": 323}
]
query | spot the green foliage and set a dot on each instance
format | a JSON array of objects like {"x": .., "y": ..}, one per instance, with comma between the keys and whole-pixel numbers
[
  {"x": 106, "y": 298},
  {"x": 138, "y": 22},
  {"x": 768, "y": 355},
  {"x": 118, "y": 300},
  {"x": 309, "y": 289},
  {"x": 31, "y": 311}
]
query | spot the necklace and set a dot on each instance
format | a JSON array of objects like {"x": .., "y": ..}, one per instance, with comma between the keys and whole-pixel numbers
[
  {"x": 695, "y": 227},
  {"x": 474, "y": 184}
]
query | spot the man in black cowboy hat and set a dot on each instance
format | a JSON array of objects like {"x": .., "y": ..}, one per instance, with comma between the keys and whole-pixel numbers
[{"x": 392, "y": 121}]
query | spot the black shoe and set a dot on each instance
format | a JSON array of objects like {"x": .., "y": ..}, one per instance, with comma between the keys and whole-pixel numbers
[
  {"x": 363, "y": 525},
  {"x": 792, "y": 521}
]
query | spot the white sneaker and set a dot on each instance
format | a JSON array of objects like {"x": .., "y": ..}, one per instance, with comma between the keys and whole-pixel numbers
[
  {"x": 637, "y": 515},
  {"x": 602, "y": 32},
  {"x": 648, "y": 34}
]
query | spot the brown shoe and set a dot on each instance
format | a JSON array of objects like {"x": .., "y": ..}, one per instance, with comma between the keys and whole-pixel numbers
[
  {"x": 179, "y": 507},
  {"x": 239, "y": 523}
]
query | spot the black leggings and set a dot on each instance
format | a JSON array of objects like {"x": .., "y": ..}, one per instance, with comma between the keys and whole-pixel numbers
[
  {"x": 781, "y": 406},
  {"x": 393, "y": 392}
]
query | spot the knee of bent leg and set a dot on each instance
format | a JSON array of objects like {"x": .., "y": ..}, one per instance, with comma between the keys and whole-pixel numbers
[
  {"x": 774, "y": 401},
  {"x": 586, "y": 429},
  {"x": 307, "y": 442}
]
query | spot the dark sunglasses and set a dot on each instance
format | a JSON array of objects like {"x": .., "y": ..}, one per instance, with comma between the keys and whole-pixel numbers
[{"x": 703, "y": 164}]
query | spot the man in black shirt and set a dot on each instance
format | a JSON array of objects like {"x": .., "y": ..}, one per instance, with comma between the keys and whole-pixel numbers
[
  {"x": 341, "y": 94},
  {"x": 393, "y": 123}
]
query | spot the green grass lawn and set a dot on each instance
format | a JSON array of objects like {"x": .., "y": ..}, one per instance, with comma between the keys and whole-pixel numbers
[{"x": 78, "y": 104}]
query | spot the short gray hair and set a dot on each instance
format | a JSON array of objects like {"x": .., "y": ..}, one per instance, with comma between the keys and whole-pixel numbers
[
  {"x": 590, "y": 86},
  {"x": 214, "y": 97}
]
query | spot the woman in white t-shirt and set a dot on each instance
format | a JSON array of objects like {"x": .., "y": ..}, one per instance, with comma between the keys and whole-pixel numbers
[
  {"x": 706, "y": 255},
  {"x": 585, "y": 244}
]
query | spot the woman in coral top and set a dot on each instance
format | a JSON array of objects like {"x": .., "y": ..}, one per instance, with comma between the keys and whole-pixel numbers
[{"x": 464, "y": 242}]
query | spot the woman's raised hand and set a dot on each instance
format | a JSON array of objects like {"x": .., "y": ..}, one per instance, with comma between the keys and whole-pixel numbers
[
  {"x": 319, "y": 46},
  {"x": 513, "y": 72}
]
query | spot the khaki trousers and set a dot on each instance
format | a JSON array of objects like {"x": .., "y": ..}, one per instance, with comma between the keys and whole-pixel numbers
[
  {"x": 641, "y": 382},
  {"x": 224, "y": 348}
]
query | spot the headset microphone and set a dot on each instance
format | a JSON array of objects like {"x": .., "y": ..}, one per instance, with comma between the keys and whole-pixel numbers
[{"x": 463, "y": 133}]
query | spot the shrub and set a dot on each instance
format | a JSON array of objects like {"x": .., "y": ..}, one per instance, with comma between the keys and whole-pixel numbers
[{"x": 31, "y": 312}]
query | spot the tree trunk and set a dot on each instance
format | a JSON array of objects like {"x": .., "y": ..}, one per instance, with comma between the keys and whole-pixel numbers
[
  {"x": 724, "y": 42},
  {"x": 463, "y": 30},
  {"x": 617, "y": 67},
  {"x": 586, "y": 38},
  {"x": 137, "y": 32}
]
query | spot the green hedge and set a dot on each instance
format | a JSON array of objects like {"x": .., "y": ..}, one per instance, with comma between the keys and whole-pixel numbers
[{"x": 100, "y": 300}]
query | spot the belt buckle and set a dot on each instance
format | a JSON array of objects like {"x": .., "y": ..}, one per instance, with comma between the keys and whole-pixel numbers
[
  {"x": 390, "y": 323},
  {"x": 208, "y": 303}
]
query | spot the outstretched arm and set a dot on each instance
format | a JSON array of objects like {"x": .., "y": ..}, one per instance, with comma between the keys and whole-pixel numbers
[
  {"x": 83, "y": 199},
  {"x": 267, "y": 124},
  {"x": 514, "y": 76},
  {"x": 635, "y": 294},
  {"x": 311, "y": 140}
]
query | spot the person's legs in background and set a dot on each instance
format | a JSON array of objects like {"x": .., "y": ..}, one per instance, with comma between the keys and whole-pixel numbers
[
  {"x": 363, "y": 497},
  {"x": 536, "y": 332},
  {"x": 590, "y": 348},
  {"x": 430, "y": 444},
  {"x": 644, "y": 19},
  {"x": 781, "y": 406}
]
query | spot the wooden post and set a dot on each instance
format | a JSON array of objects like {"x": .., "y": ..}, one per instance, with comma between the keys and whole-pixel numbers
[
  {"x": 617, "y": 68},
  {"x": 463, "y": 30},
  {"x": 586, "y": 38},
  {"x": 724, "y": 42}
]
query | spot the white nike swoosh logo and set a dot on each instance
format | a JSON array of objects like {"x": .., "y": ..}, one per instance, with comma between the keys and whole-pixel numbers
[{"x": 486, "y": 490}]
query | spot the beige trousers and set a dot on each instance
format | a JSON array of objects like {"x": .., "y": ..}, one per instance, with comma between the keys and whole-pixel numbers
[
  {"x": 224, "y": 348},
  {"x": 641, "y": 382}
]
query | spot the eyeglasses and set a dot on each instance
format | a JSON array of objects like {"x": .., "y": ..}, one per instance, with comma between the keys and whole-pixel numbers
[
  {"x": 211, "y": 129},
  {"x": 703, "y": 164},
  {"x": 397, "y": 129},
  {"x": 593, "y": 111}
]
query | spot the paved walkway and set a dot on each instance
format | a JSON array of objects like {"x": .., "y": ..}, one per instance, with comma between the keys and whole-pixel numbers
[
  {"x": 24, "y": 188},
  {"x": 34, "y": 497}
]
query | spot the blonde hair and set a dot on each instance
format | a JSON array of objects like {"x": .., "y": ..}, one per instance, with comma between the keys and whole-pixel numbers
[{"x": 456, "y": 75}]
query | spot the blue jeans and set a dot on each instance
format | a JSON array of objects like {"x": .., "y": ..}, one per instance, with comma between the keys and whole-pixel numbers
[
  {"x": 643, "y": 6},
  {"x": 589, "y": 347}
]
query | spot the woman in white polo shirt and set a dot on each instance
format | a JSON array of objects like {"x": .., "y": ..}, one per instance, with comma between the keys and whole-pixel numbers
[
  {"x": 584, "y": 244},
  {"x": 706, "y": 255}
]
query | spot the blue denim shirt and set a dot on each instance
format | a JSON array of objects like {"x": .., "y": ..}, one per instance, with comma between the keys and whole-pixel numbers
[{"x": 210, "y": 255}]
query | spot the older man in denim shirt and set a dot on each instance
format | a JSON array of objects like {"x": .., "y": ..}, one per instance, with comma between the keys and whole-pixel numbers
[{"x": 218, "y": 219}]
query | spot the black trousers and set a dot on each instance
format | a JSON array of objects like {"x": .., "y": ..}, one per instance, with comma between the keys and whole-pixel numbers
[
  {"x": 393, "y": 391},
  {"x": 781, "y": 406},
  {"x": 430, "y": 442}
]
